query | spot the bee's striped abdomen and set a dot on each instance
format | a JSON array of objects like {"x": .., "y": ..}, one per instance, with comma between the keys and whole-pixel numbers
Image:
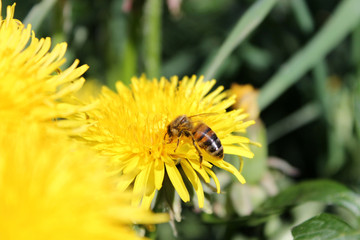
[{"x": 207, "y": 140}]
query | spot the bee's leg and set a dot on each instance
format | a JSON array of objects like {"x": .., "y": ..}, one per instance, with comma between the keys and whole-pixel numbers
[
  {"x": 178, "y": 140},
  {"x": 177, "y": 144},
  {"x": 169, "y": 140},
  {"x": 198, "y": 150}
]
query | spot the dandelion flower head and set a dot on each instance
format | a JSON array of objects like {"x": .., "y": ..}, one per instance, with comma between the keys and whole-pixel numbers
[
  {"x": 130, "y": 127},
  {"x": 55, "y": 189},
  {"x": 31, "y": 83}
]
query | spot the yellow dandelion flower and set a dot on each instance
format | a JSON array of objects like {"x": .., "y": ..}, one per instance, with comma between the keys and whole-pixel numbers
[
  {"x": 31, "y": 84},
  {"x": 55, "y": 189},
  {"x": 131, "y": 127}
]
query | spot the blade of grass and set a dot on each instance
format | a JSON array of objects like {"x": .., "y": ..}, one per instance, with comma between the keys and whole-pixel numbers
[
  {"x": 356, "y": 86},
  {"x": 356, "y": 107},
  {"x": 38, "y": 13},
  {"x": 258, "y": 58},
  {"x": 245, "y": 25},
  {"x": 302, "y": 15},
  {"x": 152, "y": 37},
  {"x": 320, "y": 76},
  {"x": 356, "y": 48},
  {"x": 345, "y": 18}
]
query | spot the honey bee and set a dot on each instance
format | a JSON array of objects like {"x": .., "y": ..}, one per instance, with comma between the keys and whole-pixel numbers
[{"x": 202, "y": 136}]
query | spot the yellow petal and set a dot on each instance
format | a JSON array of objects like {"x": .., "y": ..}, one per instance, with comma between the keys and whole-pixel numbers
[
  {"x": 159, "y": 171},
  {"x": 195, "y": 181},
  {"x": 231, "y": 139},
  {"x": 147, "y": 199},
  {"x": 196, "y": 165},
  {"x": 212, "y": 95},
  {"x": 177, "y": 181},
  {"x": 150, "y": 181},
  {"x": 140, "y": 185},
  {"x": 126, "y": 179},
  {"x": 132, "y": 164},
  {"x": 230, "y": 168},
  {"x": 241, "y": 164},
  {"x": 244, "y": 125},
  {"x": 216, "y": 180},
  {"x": 236, "y": 150}
]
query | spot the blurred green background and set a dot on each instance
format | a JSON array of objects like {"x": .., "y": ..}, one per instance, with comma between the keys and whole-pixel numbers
[{"x": 303, "y": 56}]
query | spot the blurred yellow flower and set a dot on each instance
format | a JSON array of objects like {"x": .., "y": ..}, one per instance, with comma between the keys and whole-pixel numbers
[
  {"x": 31, "y": 83},
  {"x": 89, "y": 91},
  {"x": 246, "y": 98},
  {"x": 130, "y": 127},
  {"x": 52, "y": 188}
]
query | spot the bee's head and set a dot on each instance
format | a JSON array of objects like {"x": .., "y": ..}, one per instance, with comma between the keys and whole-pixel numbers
[
  {"x": 179, "y": 124},
  {"x": 171, "y": 131}
]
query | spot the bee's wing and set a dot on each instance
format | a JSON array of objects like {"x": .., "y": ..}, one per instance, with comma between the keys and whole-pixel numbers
[{"x": 203, "y": 115}]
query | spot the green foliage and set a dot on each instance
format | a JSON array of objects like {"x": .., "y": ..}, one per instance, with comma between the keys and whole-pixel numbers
[
  {"x": 326, "y": 191},
  {"x": 325, "y": 226}
]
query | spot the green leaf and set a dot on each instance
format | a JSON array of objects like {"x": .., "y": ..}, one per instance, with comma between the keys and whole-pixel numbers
[
  {"x": 325, "y": 226},
  {"x": 326, "y": 191}
]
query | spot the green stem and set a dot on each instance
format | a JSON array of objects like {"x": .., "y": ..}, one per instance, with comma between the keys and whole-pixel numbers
[
  {"x": 152, "y": 37},
  {"x": 130, "y": 57},
  {"x": 245, "y": 25},
  {"x": 345, "y": 18},
  {"x": 129, "y": 60}
]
